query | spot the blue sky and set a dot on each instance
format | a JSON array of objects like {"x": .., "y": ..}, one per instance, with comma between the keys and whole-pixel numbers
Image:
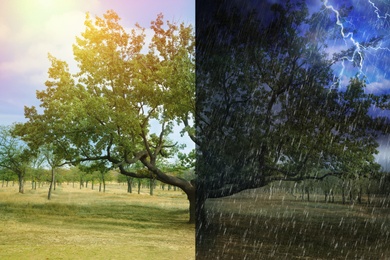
[{"x": 366, "y": 20}]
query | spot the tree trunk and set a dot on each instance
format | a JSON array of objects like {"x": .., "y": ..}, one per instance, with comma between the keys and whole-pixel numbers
[
  {"x": 192, "y": 200},
  {"x": 151, "y": 186},
  {"x": 359, "y": 196},
  {"x": 129, "y": 183},
  {"x": 139, "y": 186},
  {"x": 104, "y": 185},
  {"x": 51, "y": 184},
  {"x": 21, "y": 183},
  {"x": 308, "y": 194},
  {"x": 201, "y": 221},
  {"x": 332, "y": 195}
]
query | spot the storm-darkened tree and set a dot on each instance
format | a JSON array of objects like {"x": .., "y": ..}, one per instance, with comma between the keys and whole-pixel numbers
[
  {"x": 268, "y": 106},
  {"x": 105, "y": 110},
  {"x": 15, "y": 156}
]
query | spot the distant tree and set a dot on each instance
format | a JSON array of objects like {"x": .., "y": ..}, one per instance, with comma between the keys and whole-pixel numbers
[
  {"x": 37, "y": 170},
  {"x": 14, "y": 155},
  {"x": 54, "y": 161},
  {"x": 128, "y": 180},
  {"x": 6, "y": 176},
  {"x": 98, "y": 170}
]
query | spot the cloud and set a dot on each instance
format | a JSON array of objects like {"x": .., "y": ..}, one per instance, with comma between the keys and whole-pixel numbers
[{"x": 378, "y": 87}]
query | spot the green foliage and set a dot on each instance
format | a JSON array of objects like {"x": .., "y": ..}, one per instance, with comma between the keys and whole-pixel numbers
[
  {"x": 15, "y": 156},
  {"x": 104, "y": 111}
]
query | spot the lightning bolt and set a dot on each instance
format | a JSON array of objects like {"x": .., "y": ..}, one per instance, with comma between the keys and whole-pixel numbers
[
  {"x": 377, "y": 11},
  {"x": 348, "y": 37}
]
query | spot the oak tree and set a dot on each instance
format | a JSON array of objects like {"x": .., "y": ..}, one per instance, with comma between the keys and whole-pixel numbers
[
  {"x": 105, "y": 111},
  {"x": 268, "y": 104}
]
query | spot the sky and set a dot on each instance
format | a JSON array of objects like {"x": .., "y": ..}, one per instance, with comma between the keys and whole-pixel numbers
[
  {"x": 367, "y": 19},
  {"x": 30, "y": 29}
]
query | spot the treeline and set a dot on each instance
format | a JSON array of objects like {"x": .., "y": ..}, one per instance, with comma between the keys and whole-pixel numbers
[
  {"x": 39, "y": 178},
  {"x": 333, "y": 189}
]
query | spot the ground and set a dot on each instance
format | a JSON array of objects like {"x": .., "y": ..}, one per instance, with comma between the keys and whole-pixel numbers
[
  {"x": 86, "y": 224},
  {"x": 255, "y": 225}
]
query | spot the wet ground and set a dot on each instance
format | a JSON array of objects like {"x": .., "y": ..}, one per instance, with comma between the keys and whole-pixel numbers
[{"x": 248, "y": 227}]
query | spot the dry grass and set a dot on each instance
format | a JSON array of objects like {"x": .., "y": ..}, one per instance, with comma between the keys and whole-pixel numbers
[
  {"x": 86, "y": 224},
  {"x": 251, "y": 225}
]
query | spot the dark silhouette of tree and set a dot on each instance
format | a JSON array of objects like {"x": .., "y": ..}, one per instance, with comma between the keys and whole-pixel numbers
[{"x": 268, "y": 106}]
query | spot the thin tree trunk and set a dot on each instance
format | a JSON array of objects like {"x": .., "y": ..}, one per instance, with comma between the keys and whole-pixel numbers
[
  {"x": 51, "y": 183},
  {"x": 308, "y": 194},
  {"x": 332, "y": 195},
  {"x": 129, "y": 183},
  {"x": 139, "y": 186},
  {"x": 21, "y": 183},
  {"x": 151, "y": 186}
]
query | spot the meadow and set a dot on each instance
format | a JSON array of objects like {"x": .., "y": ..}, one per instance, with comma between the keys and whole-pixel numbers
[
  {"x": 87, "y": 224},
  {"x": 254, "y": 225}
]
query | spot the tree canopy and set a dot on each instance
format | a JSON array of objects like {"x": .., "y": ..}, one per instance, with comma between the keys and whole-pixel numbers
[
  {"x": 268, "y": 103},
  {"x": 105, "y": 111},
  {"x": 15, "y": 156}
]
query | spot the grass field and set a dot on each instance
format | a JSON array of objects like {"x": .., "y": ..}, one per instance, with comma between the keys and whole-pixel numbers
[
  {"x": 252, "y": 225},
  {"x": 86, "y": 224}
]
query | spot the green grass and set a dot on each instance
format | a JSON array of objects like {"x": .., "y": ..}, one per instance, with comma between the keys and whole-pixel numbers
[
  {"x": 86, "y": 224},
  {"x": 253, "y": 226}
]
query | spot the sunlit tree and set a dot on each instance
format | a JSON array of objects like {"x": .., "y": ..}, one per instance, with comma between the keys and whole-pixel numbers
[{"x": 105, "y": 110}]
